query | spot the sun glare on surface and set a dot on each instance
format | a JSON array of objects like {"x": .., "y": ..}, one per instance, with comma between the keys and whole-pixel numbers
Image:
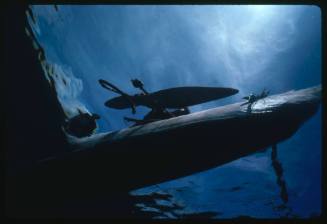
[{"x": 262, "y": 10}]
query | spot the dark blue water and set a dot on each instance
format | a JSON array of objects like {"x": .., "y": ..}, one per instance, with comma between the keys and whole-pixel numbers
[{"x": 244, "y": 47}]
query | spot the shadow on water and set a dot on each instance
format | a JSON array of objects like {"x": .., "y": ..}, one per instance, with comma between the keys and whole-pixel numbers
[{"x": 146, "y": 206}]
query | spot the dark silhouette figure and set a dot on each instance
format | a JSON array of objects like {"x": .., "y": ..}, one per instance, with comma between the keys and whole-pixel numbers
[{"x": 81, "y": 125}]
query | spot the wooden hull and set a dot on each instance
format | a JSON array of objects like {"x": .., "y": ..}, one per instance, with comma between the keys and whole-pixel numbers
[
  {"x": 180, "y": 146},
  {"x": 147, "y": 154}
]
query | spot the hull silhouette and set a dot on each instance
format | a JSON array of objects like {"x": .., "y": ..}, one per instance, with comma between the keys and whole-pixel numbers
[
  {"x": 180, "y": 146},
  {"x": 134, "y": 157}
]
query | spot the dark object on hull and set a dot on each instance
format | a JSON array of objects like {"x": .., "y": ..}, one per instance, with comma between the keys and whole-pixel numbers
[
  {"x": 253, "y": 98},
  {"x": 174, "y": 97},
  {"x": 81, "y": 125}
]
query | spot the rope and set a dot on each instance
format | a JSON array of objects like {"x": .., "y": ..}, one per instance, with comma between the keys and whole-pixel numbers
[{"x": 278, "y": 169}]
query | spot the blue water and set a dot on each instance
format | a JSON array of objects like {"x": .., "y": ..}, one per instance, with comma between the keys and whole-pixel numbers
[{"x": 243, "y": 47}]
